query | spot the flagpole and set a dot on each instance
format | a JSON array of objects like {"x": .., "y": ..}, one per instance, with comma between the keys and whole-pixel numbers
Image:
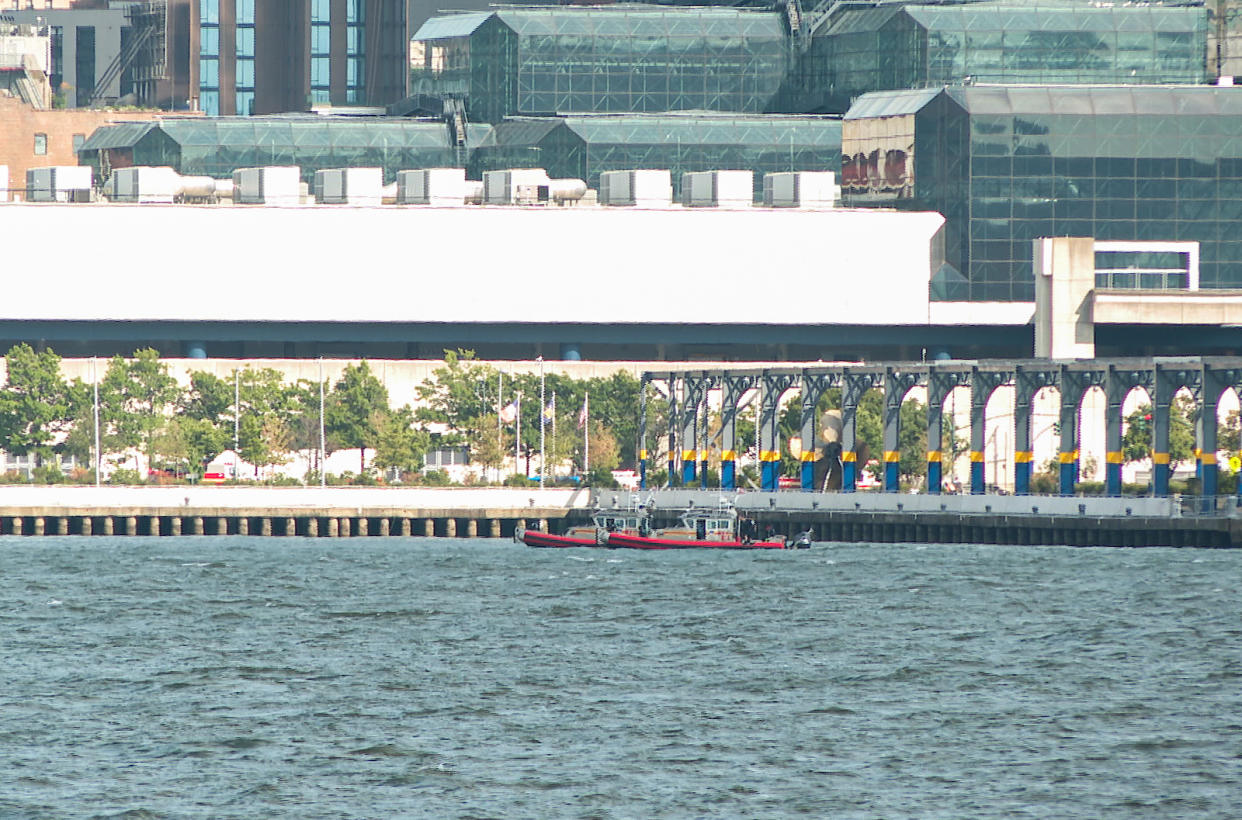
[
  {"x": 517, "y": 438},
  {"x": 586, "y": 436},
  {"x": 323, "y": 438},
  {"x": 543, "y": 404},
  {"x": 554, "y": 427}
]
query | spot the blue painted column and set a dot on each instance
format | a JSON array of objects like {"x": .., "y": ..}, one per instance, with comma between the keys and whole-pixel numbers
[
  {"x": 849, "y": 470},
  {"x": 1067, "y": 456},
  {"x": 1115, "y": 391},
  {"x": 807, "y": 482},
  {"x": 689, "y": 460},
  {"x": 642, "y": 434},
  {"x": 1205, "y": 435},
  {"x": 935, "y": 472},
  {"x": 1022, "y": 472},
  {"x": 728, "y": 469},
  {"x": 979, "y": 394},
  {"x": 1024, "y": 392},
  {"x": 1160, "y": 435}
]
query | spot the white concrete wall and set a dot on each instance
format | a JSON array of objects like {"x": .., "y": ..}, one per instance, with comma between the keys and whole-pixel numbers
[{"x": 471, "y": 264}]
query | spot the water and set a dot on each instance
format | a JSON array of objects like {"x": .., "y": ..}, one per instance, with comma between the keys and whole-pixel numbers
[{"x": 378, "y": 678}]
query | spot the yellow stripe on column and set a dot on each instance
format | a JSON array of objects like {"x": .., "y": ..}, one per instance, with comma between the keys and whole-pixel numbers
[
  {"x": 1159, "y": 458},
  {"x": 728, "y": 455},
  {"x": 769, "y": 455},
  {"x": 689, "y": 455},
  {"x": 808, "y": 455},
  {"x": 1066, "y": 458},
  {"x": 1023, "y": 456},
  {"x": 849, "y": 455},
  {"x": 1208, "y": 458},
  {"x": 642, "y": 454},
  {"x": 891, "y": 456},
  {"x": 976, "y": 456},
  {"x": 934, "y": 455},
  {"x": 1113, "y": 457}
]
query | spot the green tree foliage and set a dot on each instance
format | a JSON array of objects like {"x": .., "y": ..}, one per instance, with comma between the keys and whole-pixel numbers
[
  {"x": 137, "y": 397},
  {"x": 358, "y": 399},
  {"x": 1137, "y": 439},
  {"x": 36, "y": 405},
  {"x": 458, "y": 394},
  {"x": 912, "y": 442},
  {"x": 401, "y": 445}
]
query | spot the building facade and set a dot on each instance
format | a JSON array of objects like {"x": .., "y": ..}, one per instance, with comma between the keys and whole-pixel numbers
[
  {"x": 889, "y": 47},
  {"x": 87, "y": 45},
  {"x": 263, "y": 58},
  {"x": 603, "y": 59},
  {"x": 1007, "y": 165}
]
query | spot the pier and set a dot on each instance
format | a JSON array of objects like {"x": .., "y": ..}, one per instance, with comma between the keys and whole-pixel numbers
[{"x": 309, "y": 512}]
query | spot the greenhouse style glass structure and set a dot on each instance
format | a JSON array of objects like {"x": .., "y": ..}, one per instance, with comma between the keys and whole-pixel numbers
[
  {"x": 215, "y": 147},
  {"x": 582, "y": 146},
  {"x": 919, "y": 46},
  {"x": 1009, "y": 164},
  {"x": 619, "y": 59}
]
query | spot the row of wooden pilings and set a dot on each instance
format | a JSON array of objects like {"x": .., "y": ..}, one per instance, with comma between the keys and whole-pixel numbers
[{"x": 310, "y": 526}]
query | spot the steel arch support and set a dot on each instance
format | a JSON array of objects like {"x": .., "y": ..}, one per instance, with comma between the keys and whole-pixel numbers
[
  {"x": 774, "y": 386},
  {"x": 983, "y": 383},
  {"x": 642, "y": 432},
  {"x": 732, "y": 388},
  {"x": 692, "y": 399},
  {"x": 939, "y": 385},
  {"x": 1028, "y": 380},
  {"x": 1167, "y": 380},
  {"x": 1118, "y": 382},
  {"x": 896, "y": 384},
  {"x": 854, "y": 385},
  {"x": 814, "y": 385}
]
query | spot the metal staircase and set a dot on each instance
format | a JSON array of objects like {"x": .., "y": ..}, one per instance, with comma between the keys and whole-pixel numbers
[{"x": 122, "y": 61}]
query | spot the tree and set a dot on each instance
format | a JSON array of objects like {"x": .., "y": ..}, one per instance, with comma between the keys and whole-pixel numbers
[
  {"x": 458, "y": 394},
  {"x": 36, "y": 406},
  {"x": 912, "y": 441},
  {"x": 352, "y": 407},
  {"x": 1136, "y": 441},
  {"x": 136, "y": 400},
  {"x": 400, "y": 444}
]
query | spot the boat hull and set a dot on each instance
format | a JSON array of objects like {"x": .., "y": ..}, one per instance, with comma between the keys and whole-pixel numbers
[
  {"x": 618, "y": 540},
  {"x": 537, "y": 538}
]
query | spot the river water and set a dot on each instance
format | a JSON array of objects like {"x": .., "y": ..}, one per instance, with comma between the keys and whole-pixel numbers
[{"x": 382, "y": 678}]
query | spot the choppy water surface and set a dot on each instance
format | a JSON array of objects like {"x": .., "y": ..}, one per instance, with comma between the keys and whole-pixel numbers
[{"x": 198, "y": 677}]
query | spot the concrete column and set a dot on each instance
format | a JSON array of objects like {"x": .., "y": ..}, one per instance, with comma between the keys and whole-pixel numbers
[
  {"x": 450, "y": 528},
  {"x": 345, "y": 528},
  {"x": 312, "y": 526},
  {"x": 222, "y": 526},
  {"x": 131, "y": 525},
  {"x": 265, "y": 526},
  {"x": 108, "y": 525},
  {"x": 472, "y": 528},
  {"x": 174, "y": 525},
  {"x": 62, "y": 525},
  {"x": 334, "y": 528},
  {"x": 87, "y": 525},
  {"x": 385, "y": 527},
  {"x": 196, "y": 525},
  {"x": 363, "y": 526},
  {"x": 493, "y": 530},
  {"x": 429, "y": 527},
  {"x": 243, "y": 525},
  {"x": 407, "y": 527},
  {"x": 1064, "y": 275},
  {"x": 18, "y": 525},
  {"x": 40, "y": 525},
  {"x": 543, "y": 525},
  {"x": 291, "y": 526},
  {"x": 1115, "y": 392}
]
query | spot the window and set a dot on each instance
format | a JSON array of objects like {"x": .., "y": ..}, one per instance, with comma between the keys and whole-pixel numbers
[
  {"x": 209, "y": 73},
  {"x": 245, "y": 74},
  {"x": 209, "y": 101},
  {"x": 320, "y": 11},
  {"x": 40, "y": 145},
  {"x": 320, "y": 73},
  {"x": 245, "y": 103},
  {"x": 245, "y": 12},
  {"x": 321, "y": 40},
  {"x": 209, "y": 41},
  {"x": 245, "y": 41},
  {"x": 209, "y": 11}
]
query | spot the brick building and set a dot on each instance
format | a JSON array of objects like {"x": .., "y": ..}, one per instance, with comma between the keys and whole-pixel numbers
[{"x": 30, "y": 138}]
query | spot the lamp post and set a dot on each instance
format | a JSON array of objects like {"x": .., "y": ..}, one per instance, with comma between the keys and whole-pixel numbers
[{"x": 543, "y": 411}]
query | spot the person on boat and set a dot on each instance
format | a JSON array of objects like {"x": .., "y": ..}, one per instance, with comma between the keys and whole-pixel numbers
[{"x": 747, "y": 530}]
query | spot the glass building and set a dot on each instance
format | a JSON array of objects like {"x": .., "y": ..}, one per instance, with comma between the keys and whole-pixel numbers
[
  {"x": 216, "y": 147},
  {"x": 620, "y": 59},
  {"x": 918, "y": 46},
  {"x": 582, "y": 146},
  {"x": 1009, "y": 164}
]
